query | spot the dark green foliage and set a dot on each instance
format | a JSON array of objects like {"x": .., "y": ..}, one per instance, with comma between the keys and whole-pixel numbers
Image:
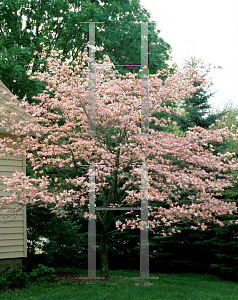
[
  {"x": 66, "y": 243},
  {"x": 67, "y": 237},
  {"x": 3, "y": 283},
  {"x": 42, "y": 274},
  {"x": 124, "y": 249},
  {"x": 224, "y": 248},
  {"x": 28, "y": 26},
  {"x": 187, "y": 251},
  {"x": 12, "y": 278},
  {"x": 196, "y": 111},
  {"x": 39, "y": 221}
]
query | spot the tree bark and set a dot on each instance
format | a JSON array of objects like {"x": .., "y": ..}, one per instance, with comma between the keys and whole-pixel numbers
[{"x": 104, "y": 254}]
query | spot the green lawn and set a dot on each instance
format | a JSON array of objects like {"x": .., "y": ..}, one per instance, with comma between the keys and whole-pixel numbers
[{"x": 167, "y": 286}]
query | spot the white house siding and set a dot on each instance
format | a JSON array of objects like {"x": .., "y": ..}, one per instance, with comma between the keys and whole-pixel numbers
[
  {"x": 13, "y": 238},
  {"x": 12, "y": 232}
]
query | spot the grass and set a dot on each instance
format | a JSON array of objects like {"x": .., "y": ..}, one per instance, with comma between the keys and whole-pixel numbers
[{"x": 122, "y": 287}]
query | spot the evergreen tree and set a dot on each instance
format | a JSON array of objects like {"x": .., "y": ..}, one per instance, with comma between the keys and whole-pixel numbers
[{"x": 196, "y": 111}]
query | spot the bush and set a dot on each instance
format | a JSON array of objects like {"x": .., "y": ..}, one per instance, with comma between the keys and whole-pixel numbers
[
  {"x": 42, "y": 274},
  {"x": 3, "y": 283},
  {"x": 224, "y": 248},
  {"x": 11, "y": 278},
  {"x": 67, "y": 237}
]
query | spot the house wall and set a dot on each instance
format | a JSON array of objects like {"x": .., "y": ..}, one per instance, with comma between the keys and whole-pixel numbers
[{"x": 13, "y": 235}]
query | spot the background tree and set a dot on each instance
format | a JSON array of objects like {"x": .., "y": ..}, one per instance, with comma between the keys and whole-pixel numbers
[
  {"x": 224, "y": 248},
  {"x": 228, "y": 118},
  {"x": 213, "y": 251},
  {"x": 60, "y": 144},
  {"x": 28, "y": 26},
  {"x": 195, "y": 110}
]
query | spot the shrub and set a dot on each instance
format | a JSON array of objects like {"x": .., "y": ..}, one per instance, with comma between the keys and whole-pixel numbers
[
  {"x": 224, "y": 248},
  {"x": 12, "y": 278},
  {"x": 67, "y": 237},
  {"x": 42, "y": 274},
  {"x": 3, "y": 283}
]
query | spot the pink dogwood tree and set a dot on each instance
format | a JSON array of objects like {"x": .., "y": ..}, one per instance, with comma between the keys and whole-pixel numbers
[{"x": 57, "y": 139}]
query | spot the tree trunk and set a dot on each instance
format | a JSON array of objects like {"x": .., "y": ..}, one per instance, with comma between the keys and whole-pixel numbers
[{"x": 103, "y": 253}]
